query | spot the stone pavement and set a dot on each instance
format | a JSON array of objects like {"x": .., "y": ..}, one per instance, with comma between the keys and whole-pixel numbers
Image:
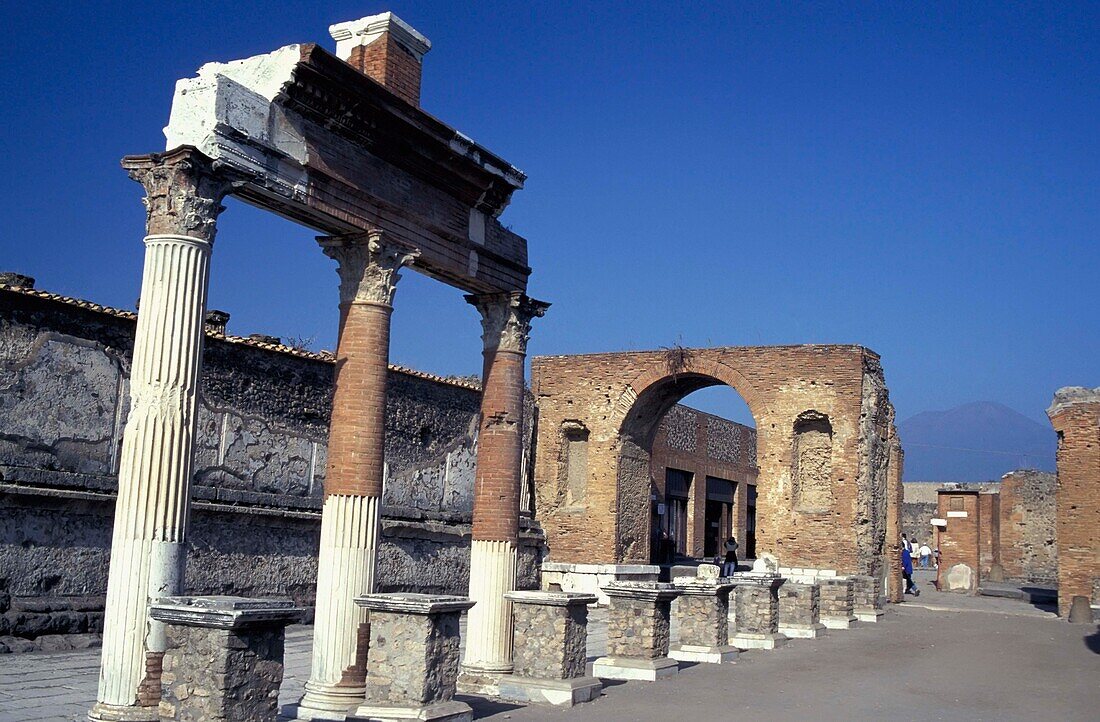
[{"x": 936, "y": 657}]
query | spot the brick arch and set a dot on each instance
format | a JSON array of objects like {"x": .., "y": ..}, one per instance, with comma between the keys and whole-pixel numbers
[{"x": 643, "y": 403}]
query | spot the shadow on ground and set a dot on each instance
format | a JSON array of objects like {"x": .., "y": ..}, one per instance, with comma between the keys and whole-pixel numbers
[{"x": 1092, "y": 641}]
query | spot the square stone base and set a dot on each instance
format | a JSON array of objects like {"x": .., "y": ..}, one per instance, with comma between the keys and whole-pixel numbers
[
  {"x": 631, "y": 668},
  {"x": 839, "y": 622},
  {"x": 479, "y": 682},
  {"x": 561, "y": 692},
  {"x": 709, "y": 655},
  {"x": 868, "y": 615},
  {"x": 440, "y": 712},
  {"x": 298, "y": 713},
  {"x": 802, "y": 631},
  {"x": 750, "y": 640}
]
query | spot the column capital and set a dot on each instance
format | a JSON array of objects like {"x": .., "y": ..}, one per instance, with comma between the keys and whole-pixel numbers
[
  {"x": 368, "y": 265},
  {"x": 506, "y": 319},
  {"x": 183, "y": 191}
]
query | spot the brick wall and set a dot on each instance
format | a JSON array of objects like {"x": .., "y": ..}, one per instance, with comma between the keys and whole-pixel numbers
[
  {"x": 619, "y": 398},
  {"x": 1075, "y": 415},
  {"x": 960, "y": 541},
  {"x": 388, "y": 62},
  {"x": 1028, "y": 551}
]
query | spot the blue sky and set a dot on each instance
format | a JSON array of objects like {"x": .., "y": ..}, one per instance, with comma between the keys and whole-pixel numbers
[{"x": 921, "y": 180}]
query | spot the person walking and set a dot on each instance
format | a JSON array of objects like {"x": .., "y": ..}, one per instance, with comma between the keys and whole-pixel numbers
[
  {"x": 925, "y": 556},
  {"x": 907, "y": 570},
  {"x": 730, "y": 565}
]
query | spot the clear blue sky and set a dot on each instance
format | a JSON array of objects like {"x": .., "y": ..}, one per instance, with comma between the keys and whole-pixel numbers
[{"x": 924, "y": 181}]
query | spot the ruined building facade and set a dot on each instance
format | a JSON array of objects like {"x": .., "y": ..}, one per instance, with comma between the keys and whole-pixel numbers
[{"x": 259, "y": 477}]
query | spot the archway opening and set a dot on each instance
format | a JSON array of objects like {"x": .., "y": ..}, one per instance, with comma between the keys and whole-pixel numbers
[{"x": 687, "y": 473}]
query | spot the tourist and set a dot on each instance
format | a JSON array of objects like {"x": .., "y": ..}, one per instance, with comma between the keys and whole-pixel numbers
[
  {"x": 730, "y": 565},
  {"x": 936, "y": 557},
  {"x": 907, "y": 570},
  {"x": 925, "y": 556}
]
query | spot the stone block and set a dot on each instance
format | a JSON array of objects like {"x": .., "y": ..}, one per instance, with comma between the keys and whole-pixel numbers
[
  {"x": 866, "y": 600},
  {"x": 757, "y": 600},
  {"x": 638, "y": 631},
  {"x": 224, "y": 660},
  {"x": 414, "y": 656},
  {"x": 703, "y": 614},
  {"x": 799, "y": 610},
  {"x": 549, "y": 664},
  {"x": 836, "y": 606},
  {"x": 960, "y": 578}
]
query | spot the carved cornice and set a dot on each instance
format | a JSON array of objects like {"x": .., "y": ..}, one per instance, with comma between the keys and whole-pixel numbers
[
  {"x": 369, "y": 265},
  {"x": 183, "y": 191},
  {"x": 506, "y": 319}
]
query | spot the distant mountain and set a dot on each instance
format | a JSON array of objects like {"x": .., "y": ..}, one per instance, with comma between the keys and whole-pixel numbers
[{"x": 974, "y": 442}]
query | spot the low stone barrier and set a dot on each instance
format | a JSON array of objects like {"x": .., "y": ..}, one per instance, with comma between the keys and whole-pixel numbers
[
  {"x": 224, "y": 660},
  {"x": 866, "y": 600},
  {"x": 836, "y": 603},
  {"x": 757, "y": 600},
  {"x": 702, "y": 612},
  {"x": 638, "y": 632},
  {"x": 414, "y": 655},
  {"x": 550, "y": 657},
  {"x": 799, "y": 610}
]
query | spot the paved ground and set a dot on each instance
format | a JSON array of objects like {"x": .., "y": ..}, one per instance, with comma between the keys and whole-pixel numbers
[{"x": 936, "y": 657}]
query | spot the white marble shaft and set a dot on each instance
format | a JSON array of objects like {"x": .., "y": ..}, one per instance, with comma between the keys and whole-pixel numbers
[
  {"x": 151, "y": 514},
  {"x": 489, "y": 622}
]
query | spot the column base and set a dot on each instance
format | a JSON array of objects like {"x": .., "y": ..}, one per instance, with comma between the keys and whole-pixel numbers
[
  {"x": 440, "y": 712},
  {"x": 868, "y": 615},
  {"x": 699, "y": 653},
  {"x": 754, "y": 640},
  {"x": 839, "y": 622},
  {"x": 102, "y": 712},
  {"x": 802, "y": 631},
  {"x": 331, "y": 706},
  {"x": 482, "y": 681},
  {"x": 559, "y": 692},
  {"x": 634, "y": 668}
]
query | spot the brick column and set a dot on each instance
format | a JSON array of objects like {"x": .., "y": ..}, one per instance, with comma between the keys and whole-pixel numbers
[
  {"x": 506, "y": 320},
  {"x": 368, "y": 269},
  {"x": 148, "y": 545}
]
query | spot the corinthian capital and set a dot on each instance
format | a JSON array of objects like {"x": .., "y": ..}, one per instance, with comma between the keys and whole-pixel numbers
[
  {"x": 506, "y": 319},
  {"x": 183, "y": 191},
  {"x": 369, "y": 265}
]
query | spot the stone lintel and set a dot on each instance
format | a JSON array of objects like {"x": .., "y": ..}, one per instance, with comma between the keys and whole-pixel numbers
[
  {"x": 411, "y": 603},
  {"x": 559, "y": 692},
  {"x": 601, "y": 568},
  {"x": 643, "y": 591},
  {"x": 756, "y": 579},
  {"x": 551, "y": 599},
  {"x": 695, "y": 587},
  {"x": 225, "y": 612},
  {"x": 635, "y": 668}
]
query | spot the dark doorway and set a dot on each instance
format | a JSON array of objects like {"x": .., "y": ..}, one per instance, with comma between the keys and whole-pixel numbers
[{"x": 750, "y": 523}]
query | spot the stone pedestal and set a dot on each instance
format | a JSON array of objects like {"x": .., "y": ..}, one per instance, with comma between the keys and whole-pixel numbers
[
  {"x": 549, "y": 662},
  {"x": 866, "y": 600},
  {"x": 799, "y": 611},
  {"x": 703, "y": 614},
  {"x": 836, "y": 603},
  {"x": 757, "y": 600},
  {"x": 638, "y": 632},
  {"x": 414, "y": 648},
  {"x": 224, "y": 658}
]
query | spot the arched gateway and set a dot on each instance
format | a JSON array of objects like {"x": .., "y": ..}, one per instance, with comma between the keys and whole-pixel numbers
[{"x": 827, "y": 450}]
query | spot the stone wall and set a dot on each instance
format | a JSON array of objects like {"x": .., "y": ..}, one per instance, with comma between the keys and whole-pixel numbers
[
  {"x": 1075, "y": 415},
  {"x": 258, "y": 483}
]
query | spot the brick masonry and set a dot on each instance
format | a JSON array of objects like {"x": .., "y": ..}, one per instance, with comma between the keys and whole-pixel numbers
[
  {"x": 1075, "y": 415},
  {"x": 618, "y": 399},
  {"x": 959, "y": 541}
]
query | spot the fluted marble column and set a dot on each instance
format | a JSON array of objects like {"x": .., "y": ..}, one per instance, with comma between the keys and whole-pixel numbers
[
  {"x": 506, "y": 321},
  {"x": 368, "y": 269},
  {"x": 183, "y": 200}
]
